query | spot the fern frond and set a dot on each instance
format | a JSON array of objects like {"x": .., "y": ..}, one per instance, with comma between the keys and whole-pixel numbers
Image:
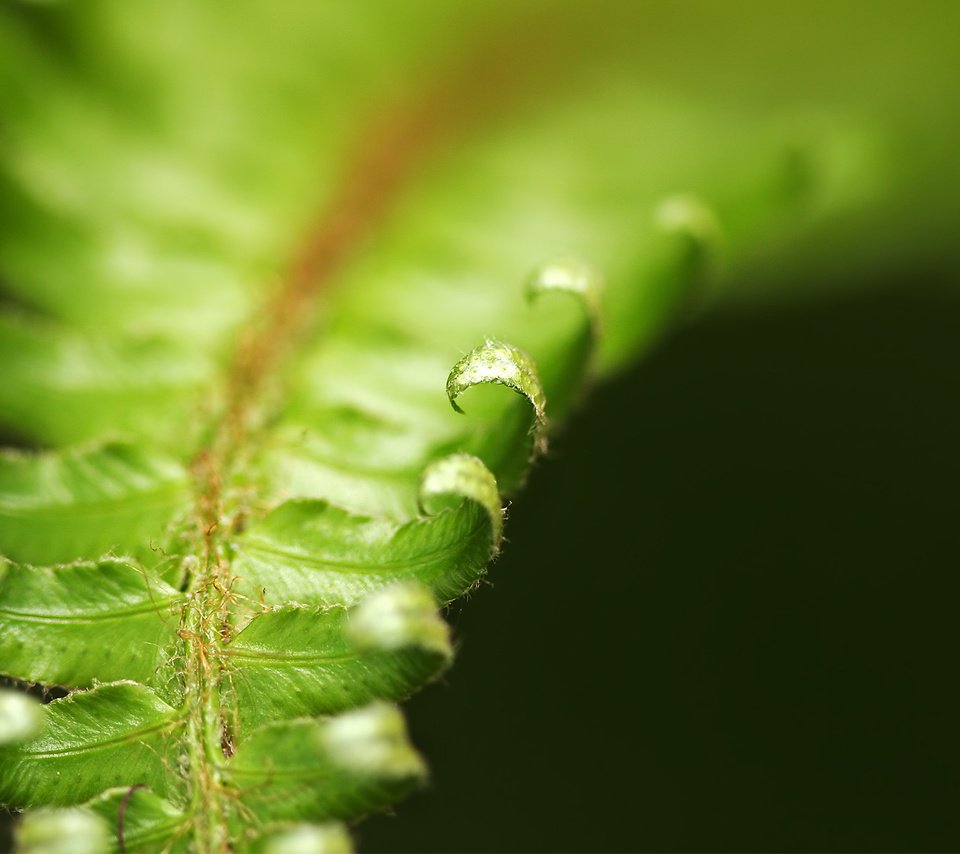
[{"x": 264, "y": 446}]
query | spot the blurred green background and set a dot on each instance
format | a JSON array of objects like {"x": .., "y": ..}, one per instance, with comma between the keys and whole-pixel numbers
[{"x": 726, "y": 616}]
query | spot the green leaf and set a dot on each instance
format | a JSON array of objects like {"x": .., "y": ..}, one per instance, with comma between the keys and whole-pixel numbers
[
  {"x": 77, "y": 624},
  {"x": 313, "y": 552},
  {"x": 305, "y": 839},
  {"x": 63, "y": 386},
  {"x": 494, "y": 362},
  {"x": 113, "y": 735},
  {"x": 339, "y": 768},
  {"x": 83, "y": 503},
  {"x": 571, "y": 277},
  {"x": 140, "y": 821},
  {"x": 308, "y": 661}
]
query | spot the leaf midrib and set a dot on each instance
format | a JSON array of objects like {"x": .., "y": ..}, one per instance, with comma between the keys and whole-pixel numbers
[
  {"x": 97, "y": 746},
  {"x": 93, "y": 617},
  {"x": 348, "y": 567},
  {"x": 149, "y": 500}
]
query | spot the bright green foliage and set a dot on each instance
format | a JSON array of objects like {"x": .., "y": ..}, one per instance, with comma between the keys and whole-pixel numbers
[
  {"x": 301, "y": 769},
  {"x": 310, "y": 550},
  {"x": 258, "y": 450},
  {"x": 77, "y": 623},
  {"x": 302, "y": 661},
  {"x": 91, "y": 741},
  {"x": 149, "y": 821},
  {"x": 111, "y": 497}
]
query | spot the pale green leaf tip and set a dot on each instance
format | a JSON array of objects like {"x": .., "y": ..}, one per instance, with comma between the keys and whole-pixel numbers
[
  {"x": 308, "y": 839},
  {"x": 685, "y": 213},
  {"x": 66, "y": 831},
  {"x": 400, "y": 616},
  {"x": 372, "y": 741},
  {"x": 569, "y": 276},
  {"x": 462, "y": 476},
  {"x": 502, "y": 364},
  {"x": 20, "y": 716}
]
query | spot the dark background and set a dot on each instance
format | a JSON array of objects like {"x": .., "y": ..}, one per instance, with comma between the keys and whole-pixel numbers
[{"x": 726, "y": 618}]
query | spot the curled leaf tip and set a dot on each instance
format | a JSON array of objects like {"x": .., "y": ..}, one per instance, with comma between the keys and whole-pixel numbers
[
  {"x": 308, "y": 839},
  {"x": 20, "y": 717},
  {"x": 403, "y": 615},
  {"x": 501, "y": 364},
  {"x": 373, "y": 741},
  {"x": 685, "y": 213},
  {"x": 64, "y": 831},
  {"x": 568, "y": 276},
  {"x": 462, "y": 476}
]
